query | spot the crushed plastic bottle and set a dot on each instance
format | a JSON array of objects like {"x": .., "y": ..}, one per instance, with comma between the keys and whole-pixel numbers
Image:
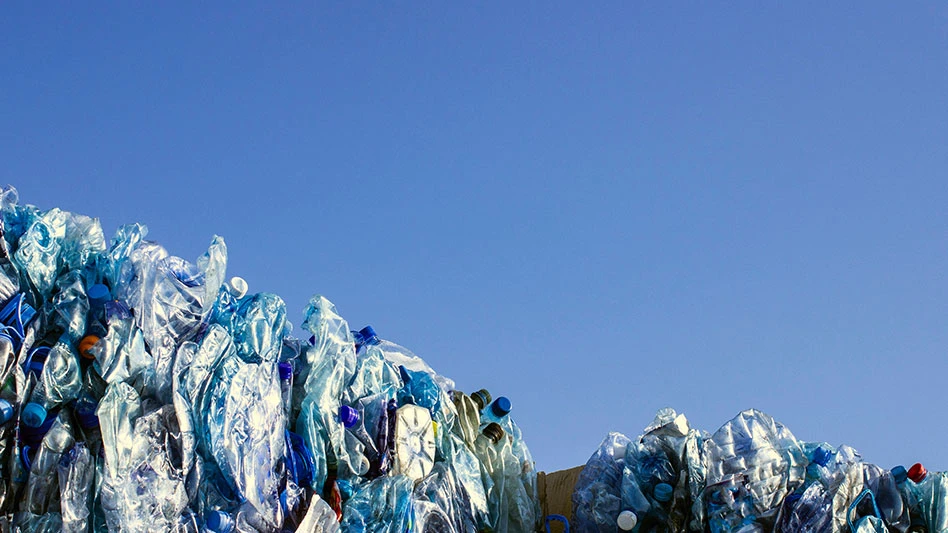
[
  {"x": 754, "y": 463},
  {"x": 76, "y": 473},
  {"x": 928, "y": 496}
]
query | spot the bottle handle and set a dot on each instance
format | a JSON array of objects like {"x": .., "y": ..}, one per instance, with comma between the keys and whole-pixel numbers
[
  {"x": 852, "y": 507},
  {"x": 557, "y": 518}
]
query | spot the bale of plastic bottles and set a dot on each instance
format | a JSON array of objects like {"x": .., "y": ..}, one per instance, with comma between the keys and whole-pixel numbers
[
  {"x": 143, "y": 392},
  {"x": 751, "y": 476}
]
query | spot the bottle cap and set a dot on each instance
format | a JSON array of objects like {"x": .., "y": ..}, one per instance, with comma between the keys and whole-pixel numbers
[
  {"x": 821, "y": 456},
  {"x": 86, "y": 344},
  {"x": 348, "y": 416},
  {"x": 34, "y": 415},
  {"x": 899, "y": 474},
  {"x": 286, "y": 370},
  {"x": 218, "y": 521},
  {"x": 494, "y": 432},
  {"x": 482, "y": 398},
  {"x": 663, "y": 492},
  {"x": 500, "y": 407},
  {"x": 98, "y": 294},
  {"x": 238, "y": 286},
  {"x": 917, "y": 472},
  {"x": 627, "y": 520},
  {"x": 368, "y": 335},
  {"x": 6, "y": 411}
]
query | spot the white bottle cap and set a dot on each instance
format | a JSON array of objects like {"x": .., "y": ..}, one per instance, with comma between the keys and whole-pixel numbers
[
  {"x": 238, "y": 286},
  {"x": 627, "y": 520}
]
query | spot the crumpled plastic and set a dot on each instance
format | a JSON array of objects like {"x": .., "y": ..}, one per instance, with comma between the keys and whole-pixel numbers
[
  {"x": 382, "y": 505},
  {"x": 173, "y": 418},
  {"x": 143, "y": 489},
  {"x": 754, "y": 462}
]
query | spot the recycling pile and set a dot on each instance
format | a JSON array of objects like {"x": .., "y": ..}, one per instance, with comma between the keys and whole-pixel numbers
[
  {"x": 141, "y": 392},
  {"x": 751, "y": 476}
]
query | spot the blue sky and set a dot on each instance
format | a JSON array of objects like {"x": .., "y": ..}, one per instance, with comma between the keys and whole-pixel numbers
[{"x": 597, "y": 212}]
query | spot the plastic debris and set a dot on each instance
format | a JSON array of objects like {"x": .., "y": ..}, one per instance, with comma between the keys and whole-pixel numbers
[
  {"x": 143, "y": 392},
  {"x": 751, "y": 475}
]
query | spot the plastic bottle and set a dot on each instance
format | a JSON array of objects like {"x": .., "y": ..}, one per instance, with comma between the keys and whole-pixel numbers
[
  {"x": 85, "y": 411},
  {"x": 927, "y": 497},
  {"x": 37, "y": 409},
  {"x": 44, "y": 466},
  {"x": 756, "y": 458},
  {"x": 76, "y": 483},
  {"x": 285, "y": 369},
  {"x": 497, "y": 411},
  {"x": 59, "y": 381}
]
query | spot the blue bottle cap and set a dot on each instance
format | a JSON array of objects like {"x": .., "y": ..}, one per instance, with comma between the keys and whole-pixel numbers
[
  {"x": 34, "y": 415},
  {"x": 500, "y": 407},
  {"x": 821, "y": 456},
  {"x": 900, "y": 474},
  {"x": 286, "y": 370},
  {"x": 6, "y": 411},
  {"x": 218, "y": 521},
  {"x": 663, "y": 492},
  {"x": 348, "y": 416},
  {"x": 368, "y": 335},
  {"x": 98, "y": 294}
]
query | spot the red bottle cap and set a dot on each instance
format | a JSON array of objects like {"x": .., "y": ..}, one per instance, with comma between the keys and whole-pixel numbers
[{"x": 917, "y": 473}]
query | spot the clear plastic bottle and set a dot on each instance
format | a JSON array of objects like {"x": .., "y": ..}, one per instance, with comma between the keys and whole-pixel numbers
[
  {"x": 285, "y": 369},
  {"x": 929, "y": 492}
]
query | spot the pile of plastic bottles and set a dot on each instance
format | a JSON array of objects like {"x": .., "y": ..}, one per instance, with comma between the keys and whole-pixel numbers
[
  {"x": 751, "y": 476},
  {"x": 142, "y": 392}
]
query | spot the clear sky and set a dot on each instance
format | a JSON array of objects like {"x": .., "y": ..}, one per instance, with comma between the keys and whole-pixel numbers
[{"x": 596, "y": 211}]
